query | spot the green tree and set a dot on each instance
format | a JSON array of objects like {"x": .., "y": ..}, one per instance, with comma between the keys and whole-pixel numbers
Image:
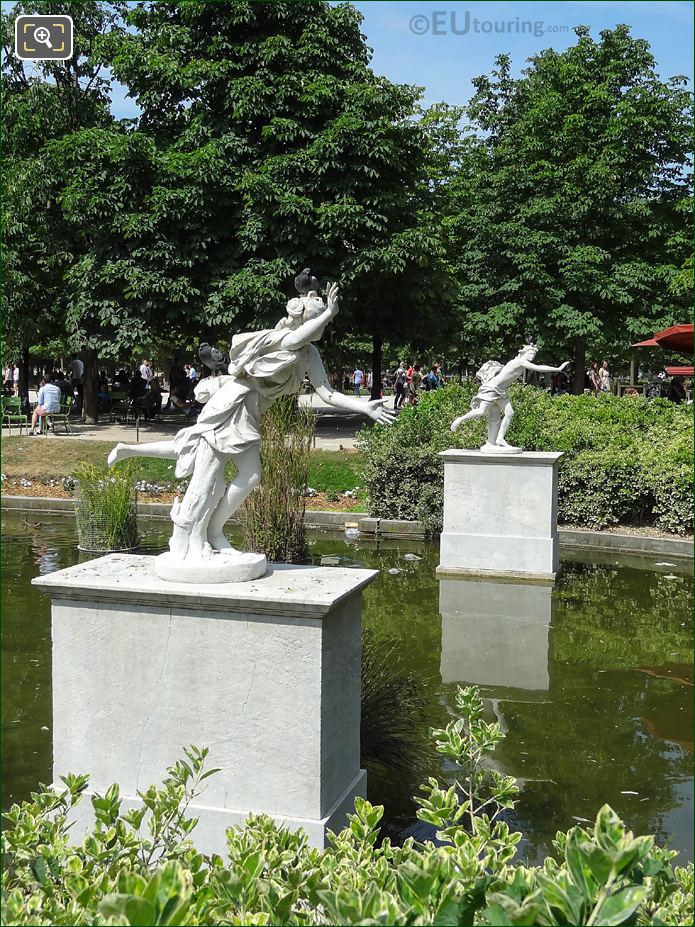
[
  {"x": 570, "y": 216},
  {"x": 46, "y": 103},
  {"x": 279, "y": 148}
]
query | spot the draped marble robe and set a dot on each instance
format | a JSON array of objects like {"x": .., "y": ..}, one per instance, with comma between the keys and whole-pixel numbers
[{"x": 260, "y": 371}]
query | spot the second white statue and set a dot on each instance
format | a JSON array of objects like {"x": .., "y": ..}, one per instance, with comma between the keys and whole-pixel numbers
[
  {"x": 492, "y": 399},
  {"x": 263, "y": 366}
]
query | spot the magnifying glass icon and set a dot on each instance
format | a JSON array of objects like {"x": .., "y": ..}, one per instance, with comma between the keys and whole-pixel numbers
[{"x": 42, "y": 34}]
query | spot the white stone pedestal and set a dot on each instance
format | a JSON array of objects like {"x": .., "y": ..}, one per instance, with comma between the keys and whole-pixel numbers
[
  {"x": 495, "y": 633},
  {"x": 500, "y": 515},
  {"x": 266, "y": 674}
]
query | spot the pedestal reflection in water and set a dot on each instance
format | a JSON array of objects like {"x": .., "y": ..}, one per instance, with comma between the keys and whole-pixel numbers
[{"x": 495, "y": 633}]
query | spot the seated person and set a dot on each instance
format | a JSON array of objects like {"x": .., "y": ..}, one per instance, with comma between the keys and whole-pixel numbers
[
  {"x": 138, "y": 386},
  {"x": 121, "y": 381},
  {"x": 156, "y": 393},
  {"x": 64, "y": 385},
  {"x": 104, "y": 396},
  {"x": 176, "y": 404},
  {"x": 50, "y": 398}
]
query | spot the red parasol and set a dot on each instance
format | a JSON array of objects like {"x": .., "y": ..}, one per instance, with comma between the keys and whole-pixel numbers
[{"x": 676, "y": 338}]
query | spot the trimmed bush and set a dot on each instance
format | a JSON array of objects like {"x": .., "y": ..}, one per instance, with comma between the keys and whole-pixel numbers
[{"x": 628, "y": 461}]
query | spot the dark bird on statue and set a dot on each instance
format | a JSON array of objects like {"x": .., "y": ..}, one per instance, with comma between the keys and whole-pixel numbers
[
  {"x": 305, "y": 282},
  {"x": 213, "y": 359}
]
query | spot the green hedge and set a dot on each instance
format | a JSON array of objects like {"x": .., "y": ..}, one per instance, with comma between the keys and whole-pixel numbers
[{"x": 628, "y": 461}]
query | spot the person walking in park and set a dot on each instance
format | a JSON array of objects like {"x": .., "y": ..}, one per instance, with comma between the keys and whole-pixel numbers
[
  {"x": 50, "y": 398},
  {"x": 357, "y": 378},
  {"x": 433, "y": 378},
  {"x": 414, "y": 385},
  {"x": 604, "y": 378},
  {"x": 594, "y": 379},
  {"x": 400, "y": 382},
  {"x": 676, "y": 392},
  {"x": 15, "y": 379}
]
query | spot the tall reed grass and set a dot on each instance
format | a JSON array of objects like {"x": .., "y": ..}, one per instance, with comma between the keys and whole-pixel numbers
[
  {"x": 273, "y": 516},
  {"x": 106, "y": 507},
  {"x": 395, "y": 706}
]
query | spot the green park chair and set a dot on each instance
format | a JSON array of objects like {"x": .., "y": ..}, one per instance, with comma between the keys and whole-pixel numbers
[
  {"x": 119, "y": 405},
  {"x": 62, "y": 417},
  {"x": 12, "y": 413}
]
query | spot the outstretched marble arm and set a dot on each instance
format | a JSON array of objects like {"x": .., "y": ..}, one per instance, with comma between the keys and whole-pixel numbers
[
  {"x": 544, "y": 368},
  {"x": 319, "y": 380}
]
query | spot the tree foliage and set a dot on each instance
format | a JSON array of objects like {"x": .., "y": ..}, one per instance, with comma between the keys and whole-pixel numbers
[
  {"x": 279, "y": 148},
  {"x": 571, "y": 216},
  {"x": 46, "y": 102}
]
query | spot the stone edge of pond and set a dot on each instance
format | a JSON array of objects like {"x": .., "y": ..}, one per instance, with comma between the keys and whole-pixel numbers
[{"x": 393, "y": 528}]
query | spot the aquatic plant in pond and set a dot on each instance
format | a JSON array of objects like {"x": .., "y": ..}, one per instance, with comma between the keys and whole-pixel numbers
[
  {"x": 106, "y": 508},
  {"x": 273, "y": 515},
  {"x": 395, "y": 710}
]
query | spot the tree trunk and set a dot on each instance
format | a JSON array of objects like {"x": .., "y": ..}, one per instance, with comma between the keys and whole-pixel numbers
[
  {"x": 377, "y": 343},
  {"x": 634, "y": 368},
  {"x": 90, "y": 386},
  {"x": 24, "y": 372},
  {"x": 579, "y": 365}
]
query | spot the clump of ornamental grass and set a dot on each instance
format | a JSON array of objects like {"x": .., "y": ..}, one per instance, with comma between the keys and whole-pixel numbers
[
  {"x": 273, "y": 516},
  {"x": 106, "y": 507}
]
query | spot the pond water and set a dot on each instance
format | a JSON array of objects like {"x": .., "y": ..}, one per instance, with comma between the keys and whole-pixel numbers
[{"x": 592, "y": 680}]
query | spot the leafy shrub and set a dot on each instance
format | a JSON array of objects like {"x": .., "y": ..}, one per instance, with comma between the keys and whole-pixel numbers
[
  {"x": 627, "y": 461},
  {"x": 120, "y": 874},
  {"x": 106, "y": 507}
]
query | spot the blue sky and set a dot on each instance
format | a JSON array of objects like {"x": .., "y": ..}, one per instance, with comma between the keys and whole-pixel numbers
[{"x": 444, "y": 63}]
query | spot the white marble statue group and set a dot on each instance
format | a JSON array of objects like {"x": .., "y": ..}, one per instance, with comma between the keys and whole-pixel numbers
[{"x": 263, "y": 366}]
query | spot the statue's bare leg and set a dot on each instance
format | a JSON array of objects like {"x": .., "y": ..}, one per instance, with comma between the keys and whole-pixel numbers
[
  {"x": 494, "y": 421},
  {"x": 191, "y": 516},
  {"x": 248, "y": 476},
  {"x": 161, "y": 449},
  {"x": 504, "y": 427},
  {"x": 469, "y": 416}
]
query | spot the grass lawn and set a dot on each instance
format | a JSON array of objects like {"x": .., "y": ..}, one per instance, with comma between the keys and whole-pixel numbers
[{"x": 42, "y": 460}]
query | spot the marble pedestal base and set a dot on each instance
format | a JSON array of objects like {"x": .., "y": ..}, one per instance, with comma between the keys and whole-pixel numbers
[
  {"x": 500, "y": 515},
  {"x": 233, "y": 566},
  {"x": 265, "y": 673}
]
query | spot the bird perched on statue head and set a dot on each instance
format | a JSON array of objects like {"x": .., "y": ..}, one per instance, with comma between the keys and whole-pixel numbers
[
  {"x": 213, "y": 359},
  {"x": 305, "y": 282}
]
